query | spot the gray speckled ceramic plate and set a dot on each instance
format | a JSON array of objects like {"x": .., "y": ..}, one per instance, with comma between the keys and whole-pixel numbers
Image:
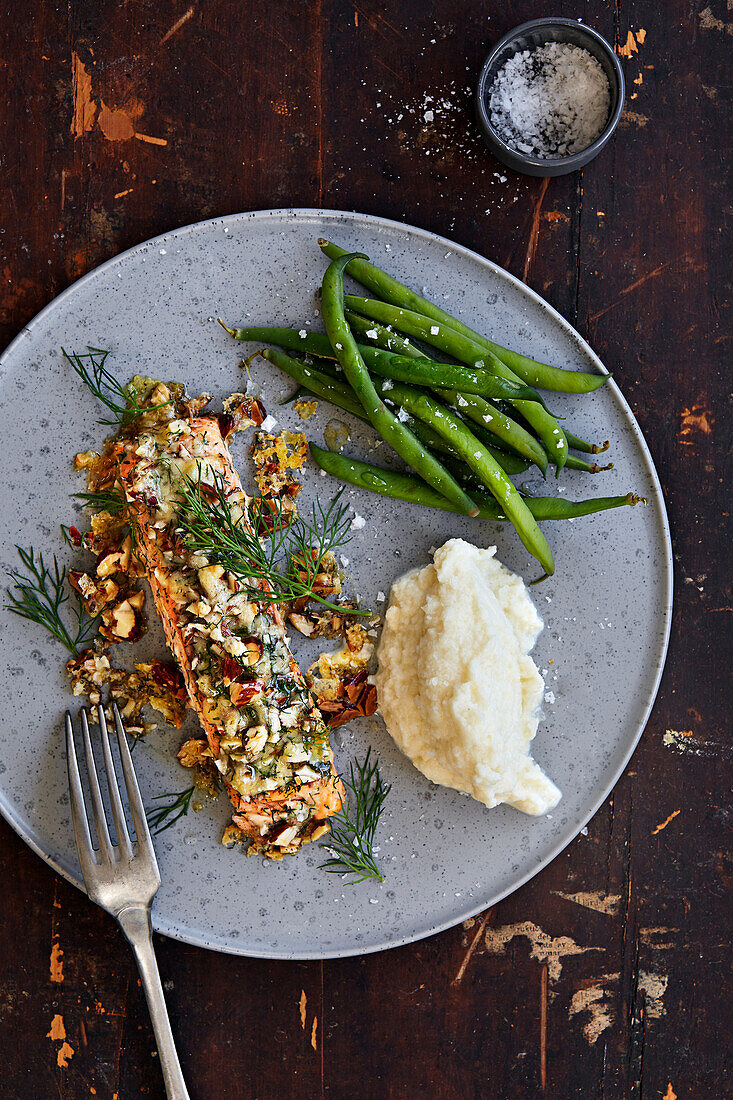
[{"x": 606, "y": 612}]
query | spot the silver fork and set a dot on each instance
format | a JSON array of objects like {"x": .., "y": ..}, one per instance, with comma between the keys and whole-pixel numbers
[{"x": 123, "y": 877}]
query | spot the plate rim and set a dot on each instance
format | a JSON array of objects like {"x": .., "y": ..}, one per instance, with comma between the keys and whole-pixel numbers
[{"x": 170, "y": 929}]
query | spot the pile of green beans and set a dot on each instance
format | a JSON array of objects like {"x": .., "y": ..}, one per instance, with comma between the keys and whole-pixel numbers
[
  {"x": 390, "y": 290},
  {"x": 442, "y": 410}
]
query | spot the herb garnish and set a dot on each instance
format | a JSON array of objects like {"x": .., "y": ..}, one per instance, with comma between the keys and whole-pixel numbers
[
  {"x": 288, "y": 563},
  {"x": 162, "y": 817},
  {"x": 40, "y": 594},
  {"x": 103, "y": 500},
  {"x": 120, "y": 400},
  {"x": 351, "y": 842}
]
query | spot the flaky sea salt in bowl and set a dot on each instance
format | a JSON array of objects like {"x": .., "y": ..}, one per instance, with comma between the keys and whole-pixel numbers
[{"x": 549, "y": 97}]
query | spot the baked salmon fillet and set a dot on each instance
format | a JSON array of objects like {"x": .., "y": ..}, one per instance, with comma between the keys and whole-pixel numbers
[{"x": 266, "y": 735}]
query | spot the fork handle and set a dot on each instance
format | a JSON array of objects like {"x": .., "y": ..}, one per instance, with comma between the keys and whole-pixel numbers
[{"x": 135, "y": 923}]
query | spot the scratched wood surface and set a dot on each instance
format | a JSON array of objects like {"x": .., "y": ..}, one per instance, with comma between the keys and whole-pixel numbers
[{"x": 606, "y": 975}]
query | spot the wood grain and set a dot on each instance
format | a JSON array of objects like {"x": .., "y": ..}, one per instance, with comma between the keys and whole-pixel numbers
[{"x": 606, "y": 975}]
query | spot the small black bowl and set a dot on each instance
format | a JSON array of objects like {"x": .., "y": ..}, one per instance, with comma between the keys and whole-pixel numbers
[{"x": 527, "y": 37}]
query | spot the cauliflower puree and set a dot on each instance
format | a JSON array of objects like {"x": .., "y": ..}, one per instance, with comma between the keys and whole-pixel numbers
[{"x": 457, "y": 689}]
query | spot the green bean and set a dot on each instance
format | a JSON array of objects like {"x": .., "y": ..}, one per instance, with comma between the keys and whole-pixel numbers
[
  {"x": 473, "y": 355},
  {"x": 510, "y": 464},
  {"x": 430, "y": 373},
  {"x": 329, "y": 367},
  {"x": 385, "y": 337},
  {"x": 465, "y": 476},
  {"x": 492, "y": 419},
  {"x": 388, "y": 339},
  {"x": 468, "y": 447},
  {"x": 389, "y": 427},
  {"x": 427, "y": 372},
  {"x": 340, "y": 394},
  {"x": 535, "y": 374},
  {"x": 399, "y": 486},
  {"x": 575, "y": 463},
  {"x": 506, "y": 430},
  {"x": 420, "y": 371},
  {"x": 288, "y": 338},
  {"x": 475, "y": 455},
  {"x": 579, "y": 444},
  {"x": 315, "y": 381}
]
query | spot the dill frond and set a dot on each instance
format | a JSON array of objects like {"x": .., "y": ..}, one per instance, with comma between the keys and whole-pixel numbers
[
  {"x": 120, "y": 401},
  {"x": 40, "y": 594},
  {"x": 162, "y": 817},
  {"x": 351, "y": 842},
  {"x": 103, "y": 500},
  {"x": 278, "y": 569}
]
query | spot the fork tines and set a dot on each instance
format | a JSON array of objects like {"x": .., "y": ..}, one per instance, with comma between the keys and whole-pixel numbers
[{"x": 106, "y": 852}]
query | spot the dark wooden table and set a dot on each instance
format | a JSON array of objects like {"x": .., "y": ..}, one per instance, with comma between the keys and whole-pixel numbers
[{"x": 605, "y": 976}]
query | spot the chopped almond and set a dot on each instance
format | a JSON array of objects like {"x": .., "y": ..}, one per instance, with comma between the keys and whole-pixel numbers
[
  {"x": 96, "y": 595},
  {"x": 302, "y": 624},
  {"x": 85, "y": 459},
  {"x": 285, "y": 837},
  {"x": 192, "y": 406},
  {"x": 356, "y": 637},
  {"x": 253, "y": 650},
  {"x": 240, "y": 412},
  {"x": 256, "y": 739},
  {"x": 193, "y": 752},
  {"x": 117, "y": 561},
  {"x": 242, "y": 694},
  {"x": 210, "y": 578},
  {"x": 340, "y": 682},
  {"x": 124, "y": 622}
]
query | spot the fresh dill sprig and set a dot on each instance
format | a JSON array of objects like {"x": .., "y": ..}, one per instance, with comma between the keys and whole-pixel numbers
[
  {"x": 162, "y": 817},
  {"x": 103, "y": 500},
  {"x": 351, "y": 842},
  {"x": 39, "y": 595},
  {"x": 310, "y": 540},
  {"x": 287, "y": 562},
  {"x": 120, "y": 400}
]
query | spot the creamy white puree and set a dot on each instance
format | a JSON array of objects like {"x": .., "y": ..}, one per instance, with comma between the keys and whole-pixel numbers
[{"x": 457, "y": 688}]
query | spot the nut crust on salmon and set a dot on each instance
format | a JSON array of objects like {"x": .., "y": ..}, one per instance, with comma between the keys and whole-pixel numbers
[{"x": 267, "y": 737}]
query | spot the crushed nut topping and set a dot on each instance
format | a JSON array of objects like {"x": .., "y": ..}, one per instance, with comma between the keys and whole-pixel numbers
[
  {"x": 274, "y": 456},
  {"x": 340, "y": 680},
  {"x": 193, "y": 752},
  {"x": 305, "y": 409},
  {"x": 155, "y": 683},
  {"x": 266, "y": 739},
  {"x": 240, "y": 412}
]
